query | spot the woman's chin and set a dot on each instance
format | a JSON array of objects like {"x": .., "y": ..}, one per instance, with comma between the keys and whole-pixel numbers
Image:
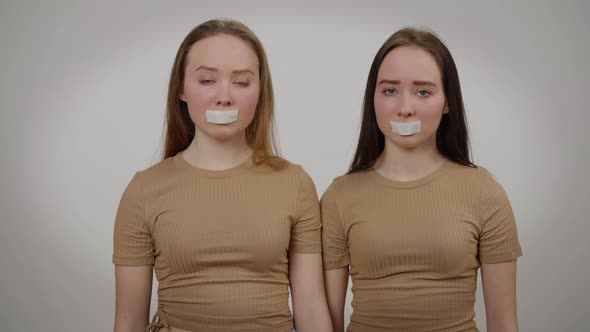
[
  {"x": 223, "y": 132},
  {"x": 406, "y": 141}
]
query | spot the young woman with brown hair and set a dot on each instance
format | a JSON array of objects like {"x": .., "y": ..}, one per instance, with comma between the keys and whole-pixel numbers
[{"x": 414, "y": 218}]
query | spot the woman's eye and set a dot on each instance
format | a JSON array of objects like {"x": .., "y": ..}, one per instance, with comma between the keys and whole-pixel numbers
[
  {"x": 389, "y": 91},
  {"x": 206, "y": 82},
  {"x": 423, "y": 93},
  {"x": 242, "y": 84}
]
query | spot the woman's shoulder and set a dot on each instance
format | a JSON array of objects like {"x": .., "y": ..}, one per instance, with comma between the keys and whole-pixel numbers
[
  {"x": 156, "y": 173},
  {"x": 165, "y": 165},
  {"x": 479, "y": 177},
  {"x": 350, "y": 183}
]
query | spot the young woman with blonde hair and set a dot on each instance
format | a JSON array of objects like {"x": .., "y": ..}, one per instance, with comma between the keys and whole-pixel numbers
[{"x": 227, "y": 225}]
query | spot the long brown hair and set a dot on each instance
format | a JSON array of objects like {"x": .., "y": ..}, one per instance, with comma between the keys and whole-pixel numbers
[
  {"x": 452, "y": 140},
  {"x": 180, "y": 130}
]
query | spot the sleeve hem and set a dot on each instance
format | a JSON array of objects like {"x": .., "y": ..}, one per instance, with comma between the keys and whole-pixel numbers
[
  {"x": 501, "y": 258},
  {"x": 336, "y": 265},
  {"x": 306, "y": 249},
  {"x": 133, "y": 261}
]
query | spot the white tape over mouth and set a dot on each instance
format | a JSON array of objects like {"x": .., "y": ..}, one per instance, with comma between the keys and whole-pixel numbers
[
  {"x": 222, "y": 117},
  {"x": 406, "y": 128}
]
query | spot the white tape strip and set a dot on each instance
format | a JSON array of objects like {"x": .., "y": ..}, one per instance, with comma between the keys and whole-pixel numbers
[
  {"x": 406, "y": 128},
  {"x": 222, "y": 117}
]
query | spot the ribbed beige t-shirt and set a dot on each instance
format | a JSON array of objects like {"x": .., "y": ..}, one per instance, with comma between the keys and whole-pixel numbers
[
  {"x": 414, "y": 247},
  {"x": 219, "y": 241}
]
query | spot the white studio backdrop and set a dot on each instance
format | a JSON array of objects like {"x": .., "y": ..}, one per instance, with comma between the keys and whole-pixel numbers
[{"x": 82, "y": 96}]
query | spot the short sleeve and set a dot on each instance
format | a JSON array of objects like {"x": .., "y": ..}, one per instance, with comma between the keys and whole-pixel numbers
[
  {"x": 306, "y": 232},
  {"x": 334, "y": 240},
  {"x": 498, "y": 240},
  {"x": 132, "y": 241}
]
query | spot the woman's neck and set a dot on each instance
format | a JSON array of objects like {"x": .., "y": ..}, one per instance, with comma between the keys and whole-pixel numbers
[
  {"x": 209, "y": 153},
  {"x": 402, "y": 164}
]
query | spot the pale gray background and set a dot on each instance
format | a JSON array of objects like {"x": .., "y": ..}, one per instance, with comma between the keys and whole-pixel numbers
[{"x": 82, "y": 107}]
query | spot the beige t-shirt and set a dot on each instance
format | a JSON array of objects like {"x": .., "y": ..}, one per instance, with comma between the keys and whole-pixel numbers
[
  {"x": 219, "y": 241},
  {"x": 414, "y": 247}
]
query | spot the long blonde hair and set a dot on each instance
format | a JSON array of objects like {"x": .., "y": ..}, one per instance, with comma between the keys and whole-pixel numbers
[{"x": 180, "y": 130}]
